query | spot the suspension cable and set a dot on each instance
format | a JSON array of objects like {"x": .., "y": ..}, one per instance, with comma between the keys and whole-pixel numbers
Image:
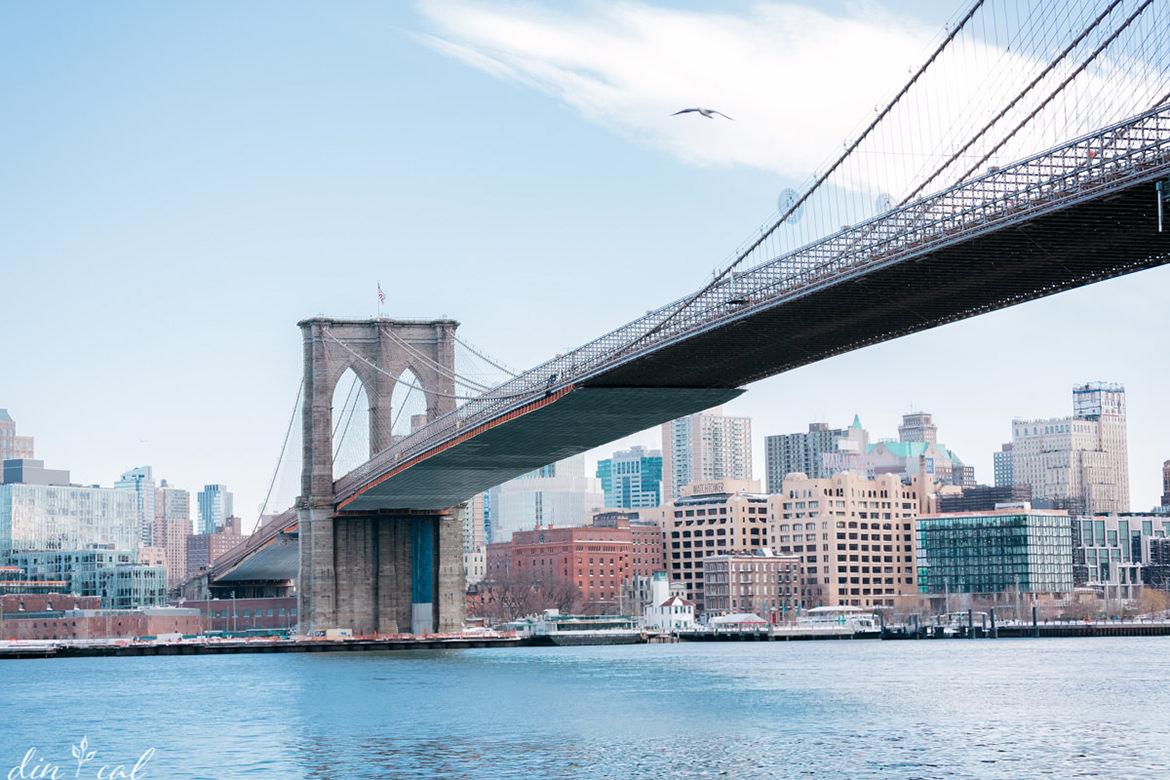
[
  {"x": 1060, "y": 87},
  {"x": 399, "y": 380},
  {"x": 434, "y": 365},
  {"x": 484, "y": 357},
  {"x": 1011, "y": 104},
  {"x": 719, "y": 276},
  {"x": 283, "y": 446}
]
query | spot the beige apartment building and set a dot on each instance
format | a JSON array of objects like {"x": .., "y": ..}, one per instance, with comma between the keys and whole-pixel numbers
[
  {"x": 710, "y": 518},
  {"x": 855, "y": 538}
]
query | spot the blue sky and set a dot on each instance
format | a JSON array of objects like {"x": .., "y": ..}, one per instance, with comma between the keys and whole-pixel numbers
[{"x": 181, "y": 183}]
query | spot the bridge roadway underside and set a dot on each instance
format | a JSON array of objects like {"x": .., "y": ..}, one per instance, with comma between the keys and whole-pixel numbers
[
  {"x": 991, "y": 270},
  {"x": 555, "y": 427}
]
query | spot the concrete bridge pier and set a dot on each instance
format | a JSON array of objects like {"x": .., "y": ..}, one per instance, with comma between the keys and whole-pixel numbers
[
  {"x": 392, "y": 569},
  {"x": 383, "y": 571}
]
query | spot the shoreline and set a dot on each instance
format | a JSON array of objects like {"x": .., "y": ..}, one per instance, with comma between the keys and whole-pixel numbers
[{"x": 14, "y": 650}]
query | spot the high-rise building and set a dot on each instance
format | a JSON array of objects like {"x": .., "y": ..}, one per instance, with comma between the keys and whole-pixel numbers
[
  {"x": 631, "y": 478},
  {"x": 11, "y": 445},
  {"x": 40, "y": 510},
  {"x": 7, "y": 436},
  {"x": 1166, "y": 484},
  {"x": 820, "y": 453},
  {"x": 907, "y": 459},
  {"x": 471, "y": 515},
  {"x": 1079, "y": 463},
  {"x": 204, "y": 549},
  {"x": 917, "y": 426},
  {"x": 215, "y": 507},
  {"x": 172, "y": 526},
  {"x": 1004, "y": 476},
  {"x": 140, "y": 481},
  {"x": 918, "y": 451},
  {"x": 558, "y": 494},
  {"x": 705, "y": 447},
  {"x": 855, "y": 537}
]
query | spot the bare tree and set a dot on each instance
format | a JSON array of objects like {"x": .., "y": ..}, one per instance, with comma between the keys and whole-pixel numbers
[
  {"x": 519, "y": 594},
  {"x": 559, "y": 593},
  {"x": 1153, "y": 601}
]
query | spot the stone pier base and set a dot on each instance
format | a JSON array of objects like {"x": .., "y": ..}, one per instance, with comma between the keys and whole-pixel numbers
[{"x": 384, "y": 573}]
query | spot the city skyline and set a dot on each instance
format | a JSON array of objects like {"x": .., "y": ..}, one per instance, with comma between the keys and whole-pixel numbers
[{"x": 213, "y": 200}]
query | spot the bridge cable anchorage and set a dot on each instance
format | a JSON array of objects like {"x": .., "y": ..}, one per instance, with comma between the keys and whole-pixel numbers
[
  {"x": 821, "y": 179},
  {"x": 399, "y": 380},
  {"x": 1093, "y": 56},
  {"x": 288, "y": 431},
  {"x": 445, "y": 372}
]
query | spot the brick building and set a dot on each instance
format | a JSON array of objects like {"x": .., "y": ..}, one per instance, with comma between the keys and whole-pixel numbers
[
  {"x": 62, "y": 616},
  {"x": 764, "y": 584},
  {"x": 599, "y": 559},
  {"x": 204, "y": 549}
]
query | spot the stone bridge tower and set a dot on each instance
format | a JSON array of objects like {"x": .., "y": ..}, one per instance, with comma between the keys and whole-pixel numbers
[{"x": 394, "y": 570}]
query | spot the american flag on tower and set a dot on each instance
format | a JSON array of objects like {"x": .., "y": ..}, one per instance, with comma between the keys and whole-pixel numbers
[{"x": 381, "y": 295}]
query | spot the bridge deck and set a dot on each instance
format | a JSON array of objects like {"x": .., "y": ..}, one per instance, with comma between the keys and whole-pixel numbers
[
  {"x": 557, "y": 426},
  {"x": 1070, "y": 216},
  {"x": 1007, "y": 264}
]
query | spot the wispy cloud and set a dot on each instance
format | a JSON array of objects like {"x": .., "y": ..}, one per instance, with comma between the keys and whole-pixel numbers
[{"x": 793, "y": 78}]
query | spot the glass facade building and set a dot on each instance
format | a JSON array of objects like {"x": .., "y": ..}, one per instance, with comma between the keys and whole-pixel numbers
[
  {"x": 114, "y": 575},
  {"x": 992, "y": 552},
  {"x": 58, "y": 517},
  {"x": 140, "y": 482},
  {"x": 215, "y": 507},
  {"x": 632, "y": 478},
  {"x": 1110, "y": 552}
]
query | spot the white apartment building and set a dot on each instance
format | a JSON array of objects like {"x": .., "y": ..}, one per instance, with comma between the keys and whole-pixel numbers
[
  {"x": 705, "y": 447},
  {"x": 1079, "y": 463}
]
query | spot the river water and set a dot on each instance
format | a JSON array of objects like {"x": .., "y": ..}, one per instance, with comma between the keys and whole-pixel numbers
[{"x": 1021, "y": 708}]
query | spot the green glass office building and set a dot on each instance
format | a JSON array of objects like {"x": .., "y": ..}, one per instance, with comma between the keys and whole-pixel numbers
[{"x": 992, "y": 552}]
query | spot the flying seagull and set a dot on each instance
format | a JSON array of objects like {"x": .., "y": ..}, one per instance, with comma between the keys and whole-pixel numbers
[{"x": 707, "y": 112}]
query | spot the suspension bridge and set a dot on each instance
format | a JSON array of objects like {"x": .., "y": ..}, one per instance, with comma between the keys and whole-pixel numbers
[{"x": 1028, "y": 155}]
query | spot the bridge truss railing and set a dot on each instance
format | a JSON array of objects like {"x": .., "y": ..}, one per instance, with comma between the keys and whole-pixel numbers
[{"x": 1108, "y": 159}]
